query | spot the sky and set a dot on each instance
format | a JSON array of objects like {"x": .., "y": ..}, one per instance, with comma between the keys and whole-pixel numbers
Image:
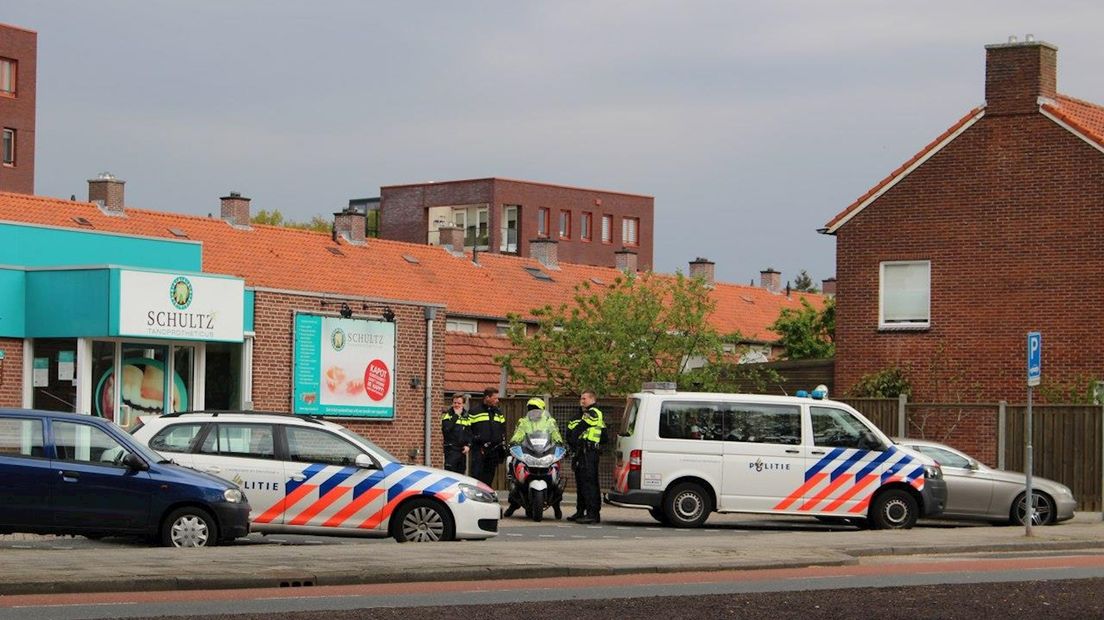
[{"x": 751, "y": 123}]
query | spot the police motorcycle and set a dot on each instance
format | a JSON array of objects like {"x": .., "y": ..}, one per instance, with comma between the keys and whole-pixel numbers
[{"x": 533, "y": 471}]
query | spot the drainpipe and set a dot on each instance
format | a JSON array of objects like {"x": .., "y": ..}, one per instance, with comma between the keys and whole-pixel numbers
[{"x": 430, "y": 314}]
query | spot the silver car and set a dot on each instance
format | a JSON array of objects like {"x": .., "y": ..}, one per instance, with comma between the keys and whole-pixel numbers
[{"x": 977, "y": 492}]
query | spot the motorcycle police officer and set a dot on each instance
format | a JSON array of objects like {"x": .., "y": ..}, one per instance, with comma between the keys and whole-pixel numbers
[
  {"x": 585, "y": 436},
  {"x": 488, "y": 433},
  {"x": 536, "y": 418},
  {"x": 455, "y": 429}
]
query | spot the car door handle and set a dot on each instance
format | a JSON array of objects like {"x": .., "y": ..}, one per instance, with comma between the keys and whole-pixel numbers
[
  {"x": 298, "y": 477},
  {"x": 212, "y": 470},
  {"x": 818, "y": 452},
  {"x": 69, "y": 476},
  {"x": 792, "y": 451}
]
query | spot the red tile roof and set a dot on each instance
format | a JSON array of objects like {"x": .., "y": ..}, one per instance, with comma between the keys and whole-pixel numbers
[
  {"x": 470, "y": 365},
  {"x": 1084, "y": 117},
  {"x": 299, "y": 260}
]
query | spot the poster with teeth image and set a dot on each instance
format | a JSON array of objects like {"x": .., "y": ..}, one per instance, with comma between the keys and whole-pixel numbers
[{"x": 344, "y": 367}]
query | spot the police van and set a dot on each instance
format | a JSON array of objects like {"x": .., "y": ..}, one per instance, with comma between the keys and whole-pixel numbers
[{"x": 684, "y": 455}]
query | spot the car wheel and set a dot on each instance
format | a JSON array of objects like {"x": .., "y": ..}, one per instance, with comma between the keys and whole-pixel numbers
[
  {"x": 895, "y": 509},
  {"x": 659, "y": 515},
  {"x": 189, "y": 527},
  {"x": 422, "y": 520},
  {"x": 687, "y": 505},
  {"x": 1045, "y": 514}
]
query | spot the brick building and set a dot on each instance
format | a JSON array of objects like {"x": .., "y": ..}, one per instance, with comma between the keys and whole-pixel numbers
[
  {"x": 18, "y": 59},
  {"x": 504, "y": 216},
  {"x": 989, "y": 232}
]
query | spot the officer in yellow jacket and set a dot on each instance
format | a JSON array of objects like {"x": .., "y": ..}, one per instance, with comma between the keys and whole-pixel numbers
[
  {"x": 536, "y": 418},
  {"x": 585, "y": 433}
]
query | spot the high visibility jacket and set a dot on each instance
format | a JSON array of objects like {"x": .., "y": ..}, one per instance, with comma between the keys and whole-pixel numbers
[
  {"x": 488, "y": 425},
  {"x": 546, "y": 423},
  {"x": 456, "y": 428},
  {"x": 586, "y": 430}
]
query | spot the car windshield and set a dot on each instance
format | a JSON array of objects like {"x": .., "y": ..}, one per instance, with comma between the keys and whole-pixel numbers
[{"x": 376, "y": 450}]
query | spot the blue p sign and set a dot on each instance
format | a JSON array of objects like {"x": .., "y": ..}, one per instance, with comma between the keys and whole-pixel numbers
[{"x": 1034, "y": 358}]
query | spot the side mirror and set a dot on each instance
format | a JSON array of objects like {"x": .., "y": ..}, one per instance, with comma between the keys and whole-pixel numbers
[
  {"x": 134, "y": 463},
  {"x": 973, "y": 465},
  {"x": 364, "y": 461}
]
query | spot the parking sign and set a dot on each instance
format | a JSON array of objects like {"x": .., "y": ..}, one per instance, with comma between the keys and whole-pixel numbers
[{"x": 1034, "y": 358}]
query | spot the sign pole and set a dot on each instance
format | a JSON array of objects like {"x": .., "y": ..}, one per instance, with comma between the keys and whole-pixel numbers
[
  {"x": 1034, "y": 375},
  {"x": 1029, "y": 515}
]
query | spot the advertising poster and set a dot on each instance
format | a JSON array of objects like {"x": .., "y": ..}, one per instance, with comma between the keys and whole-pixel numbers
[
  {"x": 41, "y": 372},
  {"x": 344, "y": 367},
  {"x": 67, "y": 365}
]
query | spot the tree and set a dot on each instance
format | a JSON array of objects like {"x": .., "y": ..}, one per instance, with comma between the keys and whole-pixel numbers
[
  {"x": 275, "y": 218},
  {"x": 803, "y": 283},
  {"x": 807, "y": 333},
  {"x": 642, "y": 328}
]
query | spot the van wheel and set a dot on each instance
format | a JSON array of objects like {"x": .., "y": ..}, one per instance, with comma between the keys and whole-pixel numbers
[
  {"x": 659, "y": 515},
  {"x": 687, "y": 505},
  {"x": 422, "y": 520},
  {"x": 895, "y": 509},
  {"x": 189, "y": 527}
]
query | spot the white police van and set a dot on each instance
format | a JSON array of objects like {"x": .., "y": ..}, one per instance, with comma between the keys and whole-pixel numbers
[{"x": 685, "y": 454}]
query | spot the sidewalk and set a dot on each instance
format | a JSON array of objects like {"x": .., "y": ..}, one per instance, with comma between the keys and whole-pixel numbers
[{"x": 31, "y": 571}]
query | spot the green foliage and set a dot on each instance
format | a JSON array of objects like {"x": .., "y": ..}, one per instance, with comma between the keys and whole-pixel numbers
[
  {"x": 1082, "y": 390},
  {"x": 642, "y": 328},
  {"x": 886, "y": 383},
  {"x": 275, "y": 218},
  {"x": 803, "y": 283},
  {"x": 727, "y": 376},
  {"x": 807, "y": 333}
]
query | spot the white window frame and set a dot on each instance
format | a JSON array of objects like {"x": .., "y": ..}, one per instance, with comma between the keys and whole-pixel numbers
[
  {"x": 630, "y": 231},
  {"x": 7, "y": 77},
  {"x": 919, "y": 324},
  {"x": 607, "y": 228},
  {"x": 461, "y": 326},
  {"x": 509, "y": 214},
  {"x": 7, "y": 147}
]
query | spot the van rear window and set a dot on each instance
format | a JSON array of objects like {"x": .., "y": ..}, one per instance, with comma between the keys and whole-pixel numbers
[{"x": 628, "y": 420}]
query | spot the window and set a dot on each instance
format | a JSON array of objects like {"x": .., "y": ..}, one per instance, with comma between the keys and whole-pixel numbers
[
  {"x": 463, "y": 326},
  {"x": 310, "y": 445},
  {"x": 21, "y": 437},
  {"x": 585, "y": 224},
  {"x": 542, "y": 222},
  {"x": 629, "y": 230},
  {"x": 565, "y": 224},
  {"x": 945, "y": 458},
  {"x": 473, "y": 221},
  {"x": 836, "y": 428},
  {"x": 607, "y": 229},
  {"x": 7, "y": 76},
  {"x": 252, "y": 441},
  {"x": 700, "y": 420},
  {"x": 83, "y": 443},
  {"x": 502, "y": 329},
  {"x": 905, "y": 295},
  {"x": 175, "y": 438},
  {"x": 508, "y": 241},
  {"x": 7, "y": 148},
  {"x": 776, "y": 424}
]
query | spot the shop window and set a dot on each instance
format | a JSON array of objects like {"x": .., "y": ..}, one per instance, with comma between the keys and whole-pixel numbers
[
  {"x": 54, "y": 374},
  {"x": 223, "y": 376}
]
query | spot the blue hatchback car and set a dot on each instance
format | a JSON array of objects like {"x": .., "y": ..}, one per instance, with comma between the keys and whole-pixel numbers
[{"x": 63, "y": 473}]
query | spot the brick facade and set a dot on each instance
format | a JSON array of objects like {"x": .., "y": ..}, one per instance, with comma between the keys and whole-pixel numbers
[
  {"x": 272, "y": 371},
  {"x": 11, "y": 373},
  {"x": 404, "y": 216},
  {"x": 18, "y": 112}
]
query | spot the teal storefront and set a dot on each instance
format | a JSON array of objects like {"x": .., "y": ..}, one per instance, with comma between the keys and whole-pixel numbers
[{"x": 120, "y": 326}]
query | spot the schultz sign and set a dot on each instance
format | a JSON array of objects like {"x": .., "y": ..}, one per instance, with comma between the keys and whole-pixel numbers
[{"x": 182, "y": 307}]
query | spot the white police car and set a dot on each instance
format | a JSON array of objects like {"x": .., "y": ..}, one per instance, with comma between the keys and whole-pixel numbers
[{"x": 310, "y": 476}]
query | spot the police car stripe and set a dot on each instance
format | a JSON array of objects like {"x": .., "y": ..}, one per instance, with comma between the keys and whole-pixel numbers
[
  {"x": 376, "y": 478},
  {"x": 301, "y": 490},
  {"x": 854, "y": 458},
  {"x": 893, "y": 469},
  {"x": 872, "y": 465},
  {"x": 800, "y": 492},
  {"x": 325, "y": 500},
  {"x": 860, "y": 484},
  {"x": 404, "y": 484},
  {"x": 820, "y": 497},
  {"x": 336, "y": 479},
  {"x": 822, "y": 463},
  {"x": 439, "y": 486},
  {"x": 353, "y": 507},
  {"x": 308, "y": 473}
]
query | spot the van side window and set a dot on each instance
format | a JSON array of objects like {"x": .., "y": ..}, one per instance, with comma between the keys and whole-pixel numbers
[
  {"x": 21, "y": 437},
  {"x": 252, "y": 441},
  {"x": 698, "y": 420},
  {"x": 83, "y": 443},
  {"x": 755, "y": 423},
  {"x": 175, "y": 438},
  {"x": 836, "y": 428}
]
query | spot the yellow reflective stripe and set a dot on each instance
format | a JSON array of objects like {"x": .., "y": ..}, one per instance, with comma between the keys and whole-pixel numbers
[
  {"x": 500, "y": 418},
  {"x": 479, "y": 417},
  {"x": 446, "y": 416},
  {"x": 463, "y": 421}
]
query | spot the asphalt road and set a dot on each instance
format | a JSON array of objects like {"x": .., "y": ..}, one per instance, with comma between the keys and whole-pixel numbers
[{"x": 977, "y": 586}]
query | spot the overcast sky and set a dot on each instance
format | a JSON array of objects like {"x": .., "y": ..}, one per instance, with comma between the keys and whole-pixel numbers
[{"x": 751, "y": 125}]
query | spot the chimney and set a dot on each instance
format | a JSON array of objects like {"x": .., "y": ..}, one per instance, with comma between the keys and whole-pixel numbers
[
  {"x": 828, "y": 287},
  {"x": 702, "y": 268},
  {"x": 770, "y": 280},
  {"x": 452, "y": 237},
  {"x": 625, "y": 260},
  {"x": 1017, "y": 74},
  {"x": 545, "y": 251},
  {"x": 235, "y": 209},
  {"x": 107, "y": 191},
  {"x": 351, "y": 224}
]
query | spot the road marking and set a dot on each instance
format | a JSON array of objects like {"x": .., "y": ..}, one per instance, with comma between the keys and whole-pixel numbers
[
  {"x": 613, "y": 537},
  {"x": 512, "y": 534},
  {"x": 546, "y": 535}
]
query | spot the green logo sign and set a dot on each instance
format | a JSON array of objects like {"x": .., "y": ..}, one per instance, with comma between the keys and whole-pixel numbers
[
  {"x": 180, "y": 292},
  {"x": 337, "y": 339}
]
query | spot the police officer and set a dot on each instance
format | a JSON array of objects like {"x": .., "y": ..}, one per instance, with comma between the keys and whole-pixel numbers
[
  {"x": 586, "y": 432},
  {"x": 488, "y": 433},
  {"x": 455, "y": 429},
  {"x": 536, "y": 418}
]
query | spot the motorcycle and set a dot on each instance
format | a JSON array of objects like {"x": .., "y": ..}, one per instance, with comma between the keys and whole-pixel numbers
[{"x": 533, "y": 469}]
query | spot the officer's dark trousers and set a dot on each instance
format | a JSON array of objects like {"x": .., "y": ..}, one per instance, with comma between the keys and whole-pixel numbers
[
  {"x": 455, "y": 460},
  {"x": 577, "y": 471},
  {"x": 484, "y": 467},
  {"x": 587, "y": 482}
]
